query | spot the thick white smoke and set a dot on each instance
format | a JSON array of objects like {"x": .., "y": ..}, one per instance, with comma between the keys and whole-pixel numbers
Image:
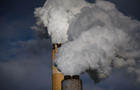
[
  {"x": 96, "y": 37},
  {"x": 56, "y": 15}
]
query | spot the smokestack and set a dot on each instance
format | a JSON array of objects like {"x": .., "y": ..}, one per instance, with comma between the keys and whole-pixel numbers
[
  {"x": 57, "y": 76},
  {"x": 72, "y": 83},
  {"x": 61, "y": 82}
]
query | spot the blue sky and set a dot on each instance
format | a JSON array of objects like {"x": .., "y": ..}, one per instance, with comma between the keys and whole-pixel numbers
[{"x": 25, "y": 59}]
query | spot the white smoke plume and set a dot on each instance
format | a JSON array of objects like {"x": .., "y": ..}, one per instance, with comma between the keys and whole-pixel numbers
[
  {"x": 56, "y": 15},
  {"x": 96, "y": 36}
]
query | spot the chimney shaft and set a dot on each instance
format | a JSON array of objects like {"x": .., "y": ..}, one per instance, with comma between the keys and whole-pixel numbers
[{"x": 57, "y": 76}]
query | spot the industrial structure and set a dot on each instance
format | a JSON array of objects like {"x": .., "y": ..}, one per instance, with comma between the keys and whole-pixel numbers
[
  {"x": 61, "y": 82},
  {"x": 57, "y": 76},
  {"x": 72, "y": 83}
]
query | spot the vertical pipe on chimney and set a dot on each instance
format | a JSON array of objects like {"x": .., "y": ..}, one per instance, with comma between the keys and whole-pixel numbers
[{"x": 72, "y": 83}]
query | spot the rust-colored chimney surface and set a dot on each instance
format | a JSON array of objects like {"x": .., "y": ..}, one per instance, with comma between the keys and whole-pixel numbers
[
  {"x": 57, "y": 76},
  {"x": 71, "y": 83}
]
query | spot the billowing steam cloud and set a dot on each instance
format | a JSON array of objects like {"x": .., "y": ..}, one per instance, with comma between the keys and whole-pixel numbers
[
  {"x": 96, "y": 37},
  {"x": 56, "y": 15}
]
